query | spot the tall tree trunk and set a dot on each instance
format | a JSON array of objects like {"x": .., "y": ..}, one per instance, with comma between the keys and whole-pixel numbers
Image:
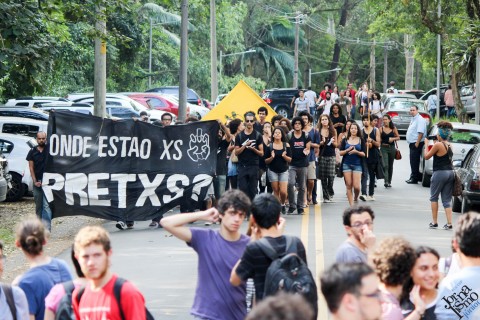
[
  {"x": 410, "y": 61},
  {"x": 347, "y": 6},
  {"x": 372, "y": 66},
  {"x": 459, "y": 109}
]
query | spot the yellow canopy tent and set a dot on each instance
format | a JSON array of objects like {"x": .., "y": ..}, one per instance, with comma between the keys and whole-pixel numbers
[{"x": 241, "y": 99}]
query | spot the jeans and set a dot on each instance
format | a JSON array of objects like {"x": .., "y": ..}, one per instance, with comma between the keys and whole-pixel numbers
[
  {"x": 219, "y": 183},
  {"x": 369, "y": 174},
  {"x": 388, "y": 157},
  {"x": 298, "y": 175},
  {"x": 42, "y": 208},
  {"x": 415, "y": 153},
  {"x": 248, "y": 180}
]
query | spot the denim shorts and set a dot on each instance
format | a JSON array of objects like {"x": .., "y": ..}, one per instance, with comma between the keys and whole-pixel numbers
[
  {"x": 277, "y": 177},
  {"x": 352, "y": 168}
]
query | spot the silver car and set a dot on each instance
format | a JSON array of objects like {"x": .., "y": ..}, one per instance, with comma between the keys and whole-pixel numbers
[
  {"x": 464, "y": 137},
  {"x": 399, "y": 110}
]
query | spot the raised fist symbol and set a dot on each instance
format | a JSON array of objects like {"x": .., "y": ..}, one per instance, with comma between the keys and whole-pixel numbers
[{"x": 199, "y": 146}]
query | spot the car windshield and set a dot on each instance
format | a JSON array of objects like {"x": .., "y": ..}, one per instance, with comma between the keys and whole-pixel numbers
[
  {"x": 465, "y": 136},
  {"x": 405, "y": 105},
  {"x": 466, "y": 91}
]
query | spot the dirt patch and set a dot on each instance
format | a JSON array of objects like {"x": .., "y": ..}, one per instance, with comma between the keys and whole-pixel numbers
[{"x": 64, "y": 230}]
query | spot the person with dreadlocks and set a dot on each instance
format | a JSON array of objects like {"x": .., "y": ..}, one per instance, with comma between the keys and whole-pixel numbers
[{"x": 443, "y": 177}]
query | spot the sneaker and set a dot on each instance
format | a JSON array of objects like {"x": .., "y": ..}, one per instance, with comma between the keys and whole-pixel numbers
[
  {"x": 154, "y": 224},
  {"x": 363, "y": 197},
  {"x": 284, "y": 210},
  {"x": 433, "y": 225},
  {"x": 370, "y": 198},
  {"x": 331, "y": 199},
  {"x": 121, "y": 225},
  {"x": 300, "y": 211},
  {"x": 291, "y": 210},
  {"x": 326, "y": 200},
  {"x": 447, "y": 227},
  {"x": 130, "y": 225}
]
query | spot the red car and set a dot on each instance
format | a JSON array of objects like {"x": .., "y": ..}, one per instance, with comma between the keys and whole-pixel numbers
[{"x": 155, "y": 101}]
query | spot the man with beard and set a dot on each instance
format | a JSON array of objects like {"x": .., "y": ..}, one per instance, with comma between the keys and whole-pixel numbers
[
  {"x": 37, "y": 158},
  {"x": 249, "y": 149},
  {"x": 351, "y": 292},
  {"x": 218, "y": 251},
  {"x": 97, "y": 300},
  {"x": 358, "y": 222}
]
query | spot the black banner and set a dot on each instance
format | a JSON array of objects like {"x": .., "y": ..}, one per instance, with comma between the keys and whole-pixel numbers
[{"x": 126, "y": 169}]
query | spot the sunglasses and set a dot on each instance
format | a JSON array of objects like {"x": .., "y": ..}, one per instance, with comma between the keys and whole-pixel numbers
[{"x": 250, "y": 121}]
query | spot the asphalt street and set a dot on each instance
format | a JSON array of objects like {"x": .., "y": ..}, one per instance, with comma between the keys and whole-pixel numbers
[{"x": 165, "y": 269}]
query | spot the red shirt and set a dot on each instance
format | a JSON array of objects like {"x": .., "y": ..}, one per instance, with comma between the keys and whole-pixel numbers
[
  {"x": 323, "y": 94},
  {"x": 101, "y": 304},
  {"x": 352, "y": 96}
]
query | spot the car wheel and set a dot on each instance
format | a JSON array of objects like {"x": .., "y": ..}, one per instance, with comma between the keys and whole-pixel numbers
[
  {"x": 426, "y": 178},
  {"x": 465, "y": 205},
  {"x": 456, "y": 205},
  {"x": 17, "y": 190},
  {"x": 282, "y": 111}
]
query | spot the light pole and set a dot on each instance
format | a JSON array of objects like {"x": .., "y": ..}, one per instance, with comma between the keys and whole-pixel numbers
[
  {"x": 230, "y": 54},
  {"x": 310, "y": 73},
  {"x": 150, "y": 52}
]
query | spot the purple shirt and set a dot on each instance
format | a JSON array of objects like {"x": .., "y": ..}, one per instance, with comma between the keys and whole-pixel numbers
[{"x": 215, "y": 297}]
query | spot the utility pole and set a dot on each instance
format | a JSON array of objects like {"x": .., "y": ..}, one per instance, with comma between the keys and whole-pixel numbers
[
  {"x": 385, "y": 68},
  {"x": 477, "y": 88},
  {"x": 297, "y": 34},
  {"x": 213, "y": 52},
  {"x": 100, "y": 67},
  {"x": 439, "y": 62},
  {"x": 372, "y": 66},
  {"x": 150, "y": 57},
  {"x": 182, "y": 108}
]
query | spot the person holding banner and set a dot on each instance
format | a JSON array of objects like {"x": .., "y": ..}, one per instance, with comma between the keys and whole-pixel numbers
[
  {"x": 249, "y": 149},
  {"x": 218, "y": 252}
]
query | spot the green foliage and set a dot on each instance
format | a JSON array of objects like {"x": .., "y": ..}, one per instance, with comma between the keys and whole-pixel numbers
[{"x": 228, "y": 83}]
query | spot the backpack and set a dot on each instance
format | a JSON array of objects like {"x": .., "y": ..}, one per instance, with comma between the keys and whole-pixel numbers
[
  {"x": 65, "y": 308},
  {"x": 288, "y": 272},
  {"x": 117, "y": 288},
  {"x": 10, "y": 299}
]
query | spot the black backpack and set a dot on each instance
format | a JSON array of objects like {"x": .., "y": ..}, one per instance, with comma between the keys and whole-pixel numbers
[
  {"x": 288, "y": 272},
  {"x": 65, "y": 308},
  {"x": 117, "y": 289},
  {"x": 7, "y": 290}
]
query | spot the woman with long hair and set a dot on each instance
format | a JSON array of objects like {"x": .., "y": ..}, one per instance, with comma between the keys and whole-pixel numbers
[
  {"x": 278, "y": 156},
  {"x": 388, "y": 136},
  {"x": 443, "y": 176},
  {"x": 352, "y": 150},
  {"x": 350, "y": 107},
  {"x": 267, "y": 137},
  {"x": 285, "y": 123},
  {"x": 235, "y": 126},
  {"x": 420, "y": 291},
  {"x": 338, "y": 119},
  {"x": 326, "y": 162},
  {"x": 376, "y": 107},
  {"x": 44, "y": 272}
]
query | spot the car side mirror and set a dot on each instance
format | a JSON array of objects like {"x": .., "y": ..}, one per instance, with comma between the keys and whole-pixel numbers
[{"x": 457, "y": 163}]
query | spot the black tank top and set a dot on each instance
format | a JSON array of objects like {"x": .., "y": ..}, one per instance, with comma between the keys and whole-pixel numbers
[
  {"x": 385, "y": 136},
  {"x": 443, "y": 162}
]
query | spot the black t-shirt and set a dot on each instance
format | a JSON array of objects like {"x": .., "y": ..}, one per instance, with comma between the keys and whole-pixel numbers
[
  {"x": 340, "y": 119},
  {"x": 248, "y": 157},
  {"x": 373, "y": 153},
  {"x": 278, "y": 164},
  {"x": 299, "y": 159},
  {"x": 222, "y": 157},
  {"x": 258, "y": 127},
  {"x": 39, "y": 159},
  {"x": 254, "y": 262}
]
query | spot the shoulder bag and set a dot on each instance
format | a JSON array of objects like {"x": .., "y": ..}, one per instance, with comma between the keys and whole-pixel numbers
[
  {"x": 457, "y": 183},
  {"x": 398, "y": 154}
]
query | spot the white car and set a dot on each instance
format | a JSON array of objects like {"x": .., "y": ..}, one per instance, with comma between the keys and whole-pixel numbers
[
  {"x": 195, "y": 110},
  {"x": 463, "y": 138},
  {"x": 15, "y": 149},
  {"x": 31, "y": 101},
  {"x": 22, "y": 126}
]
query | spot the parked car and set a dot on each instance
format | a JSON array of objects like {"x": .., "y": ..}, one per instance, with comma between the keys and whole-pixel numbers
[
  {"x": 192, "y": 109},
  {"x": 15, "y": 149},
  {"x": 3, "y": 178},
  {"x": 399, "y": 110},
  {"x": 469, "y": 173},
  {"x": 416, "y": 93},
  {"x": 156, "y": 101},
  {"x": 24, "y": 112},
  {"x": 280, "y": 100},
  {"x": 31, "y": 101},
  {"x": 22, "y": 126},
  {"x": 468, "y": 95},
  {"x": 192, "y": 96},
  {"x": 85, "y": 108},
  {"x": 464, "y": 137},
  {"x": 386, "y": 97}
]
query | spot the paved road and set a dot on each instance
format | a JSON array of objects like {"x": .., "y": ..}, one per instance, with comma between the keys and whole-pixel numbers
[{"x": 164, "y": 268}]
